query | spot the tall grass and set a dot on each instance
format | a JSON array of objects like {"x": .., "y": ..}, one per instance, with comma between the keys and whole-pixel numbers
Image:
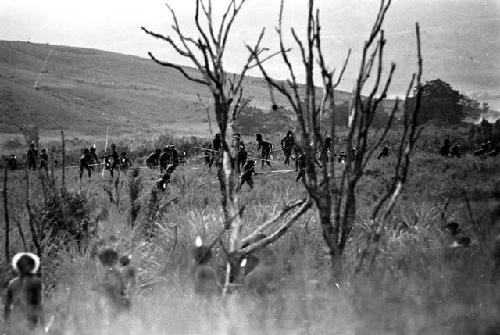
[{"x": 416, "y": 286}]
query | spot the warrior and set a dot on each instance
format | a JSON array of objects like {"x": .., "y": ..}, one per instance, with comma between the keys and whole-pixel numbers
[
  {"x": 23, "y": 309},
  {"x": 266, "y": 147},
  {"x": 32, "y": 156},
  {"x": 287, "y": 144}
]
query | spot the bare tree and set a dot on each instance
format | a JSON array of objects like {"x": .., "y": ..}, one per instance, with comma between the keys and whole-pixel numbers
[
  {"x": 206, "y": 52},
  {"x": 335, "y": 197}
]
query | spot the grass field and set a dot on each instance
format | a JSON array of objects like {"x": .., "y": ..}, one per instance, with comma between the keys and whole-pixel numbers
[{"x": 417, "y": 285}]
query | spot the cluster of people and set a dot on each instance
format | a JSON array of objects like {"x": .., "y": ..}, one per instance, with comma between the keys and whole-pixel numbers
[
  {"x": 488, "y": 148},
  {"x": 111, "y": 160},
  {"x": 23, "y": 307},
  {"x": 34, "y": 160},
  {"x": 256, "y": 275},
  {"x": 167, "y": 161},
  {"x": 450, "y": 150},
  {"x": 162, "y": 159}
]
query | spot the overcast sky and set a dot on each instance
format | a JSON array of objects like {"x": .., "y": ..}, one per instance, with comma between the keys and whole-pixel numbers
[{"x": 460, "y": 37}]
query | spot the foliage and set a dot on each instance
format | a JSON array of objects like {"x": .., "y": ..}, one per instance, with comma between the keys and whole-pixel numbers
[
  {"x": 64, "y": 217},
  {"x": 444, "y": 105}
]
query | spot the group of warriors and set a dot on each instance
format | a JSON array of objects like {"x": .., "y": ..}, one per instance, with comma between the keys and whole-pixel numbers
[
  {"x": 109, "y": 160},
  {"x": 487, "y": 149},
  {"x": 167, "y": 160},
  {"x": 34, "y": 160},
  {"x": 291, "y": 151},
  {"x": 113, "y": 288}
]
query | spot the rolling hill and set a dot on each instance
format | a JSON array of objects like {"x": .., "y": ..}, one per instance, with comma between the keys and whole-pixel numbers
[{"x": 84, "y": 91}]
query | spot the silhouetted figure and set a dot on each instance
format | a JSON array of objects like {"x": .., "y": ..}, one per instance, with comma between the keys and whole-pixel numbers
[
  {"x": 287, "y": 144},
  {"x": 125, "y": 162},
  {"x": 164, "y": 158},
  {"x": 207, "y": 154},
  {"x": 23, "y": 310},
  {"x": 129, "y": 273},
  {"x": 300, "y": 167},
  {"x": 445, "y": 148},
  {"x": 217, "y": 143},
  {"x": 458, "y": 238},
  {"x": 12, "y": 162},
  {"x": 263, "y": 279},
  {"x": 93, "y": 155},
  {"x": 206, "y": 283},
  {"x": 248, "y": 172},
  {"x": 241, "y": 151},
  {"x": 266, "y": 148},
  {"x": 85, "y": 163},
  {"x": 44, "y": 160},
  {"x": 162, "y": 183},
  {"x": 325, "y": 150},
  {"x": 456, "y": 151},
  {"x": 384, "y": 153},
  {"x": 153, "y": 159},
  {"x": 251, "y": 259},
  {"x": 112, "y": 160},
  {"x": 32, "y": 156},
  {"x": 112, "y": 285}
]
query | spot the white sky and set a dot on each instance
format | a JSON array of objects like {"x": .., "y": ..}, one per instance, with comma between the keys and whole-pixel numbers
[{"x": 460, "y": 37}]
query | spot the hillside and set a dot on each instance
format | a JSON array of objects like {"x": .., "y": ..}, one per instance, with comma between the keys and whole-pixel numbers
[{"x": 83, "y": 91}]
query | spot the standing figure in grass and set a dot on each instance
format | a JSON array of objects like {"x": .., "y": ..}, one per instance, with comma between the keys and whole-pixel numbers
[
  {"x": 32, "y": 156},
  {"x": 445, "y": 148},
  {"x": 217, "y": 153},
  {"x": 287, "y": 144},
  {"x": 261, "y": 284},
  {"x": 23, "y": 310},
  {"x": 112, "y": 160},
  {"x": 125, "y": 162},
  {"x": 206, "y": 283},
  {"x": 248, "y": 172},
  {"x": 164, "y": 158},
  {"x": 12, "y": 162},
  {"x": 112, "y": 285},
  {"x": 207, "y": 154},
  {"x": 174, "y": 158},
  {"x": 153, "y": 159},
  {"x": 44, "y": 160},
  {"x": 300, "y": 166},
  {"x": 267, "y": 149},
  {"x": 241, "y": 151},
  {"x": 85, "y": 163},
  {"x": 93, "y": 155},
  {"x": 263, "y": 279},
  {"x": 129, "y": 273}
]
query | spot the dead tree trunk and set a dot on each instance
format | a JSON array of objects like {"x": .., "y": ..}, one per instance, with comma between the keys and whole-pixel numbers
[
  {"x": 206, "y": 52},
  {"x": 336, "y": 201}
]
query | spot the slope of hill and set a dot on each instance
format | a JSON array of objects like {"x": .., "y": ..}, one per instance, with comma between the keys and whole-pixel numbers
[{"x": 83, "y": 91}]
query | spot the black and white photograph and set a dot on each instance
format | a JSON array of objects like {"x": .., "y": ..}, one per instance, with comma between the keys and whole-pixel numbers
[{"x": 247, "y": 167}]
